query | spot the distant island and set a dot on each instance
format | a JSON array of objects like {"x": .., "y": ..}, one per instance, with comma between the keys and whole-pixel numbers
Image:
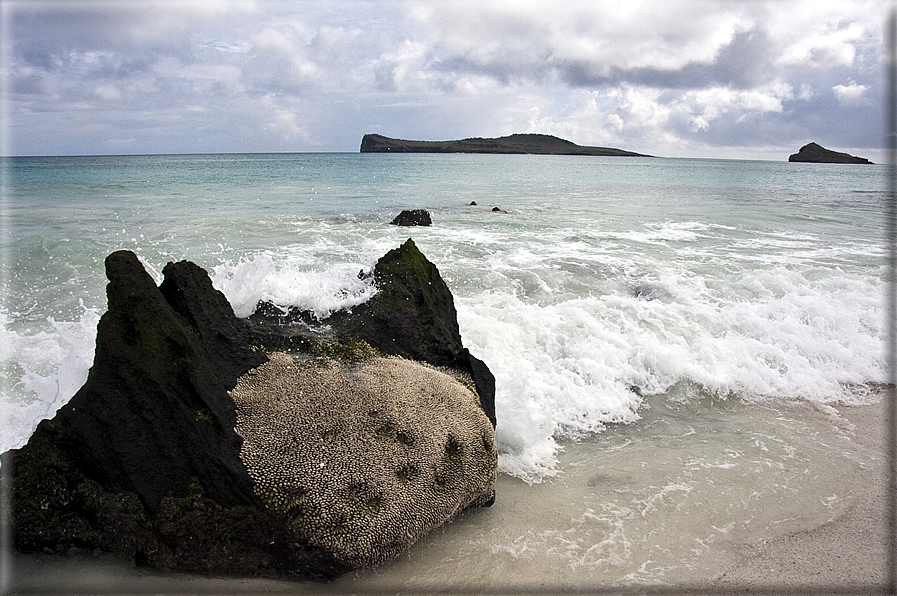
[
  {"x": 536, "y": 144},
  {"x": 813, "y": 153}
]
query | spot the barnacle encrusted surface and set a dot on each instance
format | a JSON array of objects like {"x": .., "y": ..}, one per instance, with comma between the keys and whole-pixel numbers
[{"x": 364, "y": 457}]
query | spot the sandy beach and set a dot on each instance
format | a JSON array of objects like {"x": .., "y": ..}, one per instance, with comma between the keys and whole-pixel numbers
[
  {"x": 503, "y": 549},
  {"x": 848, "y": 554}
]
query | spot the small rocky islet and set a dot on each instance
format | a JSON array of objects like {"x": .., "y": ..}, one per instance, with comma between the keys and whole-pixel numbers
[{"x": 815, "y": 153}]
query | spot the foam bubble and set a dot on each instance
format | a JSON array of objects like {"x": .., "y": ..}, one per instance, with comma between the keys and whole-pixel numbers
[
  {"x": 42, "y": 370},
  {"x": 566, "y": 367},
  {"x": 286, "y": 281}
]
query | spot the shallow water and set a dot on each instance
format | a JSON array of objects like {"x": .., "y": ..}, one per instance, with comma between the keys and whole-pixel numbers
[
  {"x": 671, "y": 499},
  {"x": 607, "y": 279}
]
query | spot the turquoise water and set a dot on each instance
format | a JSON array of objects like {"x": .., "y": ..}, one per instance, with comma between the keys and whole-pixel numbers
[{"x": 608, "y": 282}]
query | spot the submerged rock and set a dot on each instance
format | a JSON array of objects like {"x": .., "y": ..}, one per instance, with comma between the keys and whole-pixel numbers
[
  {"x": 412, "y": 217},
  {"x": 813, "y": 153},
  {"x": 146, "y": 459}
]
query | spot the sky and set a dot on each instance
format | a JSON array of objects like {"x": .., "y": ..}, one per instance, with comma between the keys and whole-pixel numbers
[{"x": 751, "y": 79}]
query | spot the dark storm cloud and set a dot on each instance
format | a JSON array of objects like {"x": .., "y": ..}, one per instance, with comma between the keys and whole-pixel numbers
[
  {"x": 45, "y": 36},
  {"x": 743, "y": 63}
]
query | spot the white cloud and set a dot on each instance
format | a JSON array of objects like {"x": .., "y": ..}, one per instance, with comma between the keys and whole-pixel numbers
[
  {"x": 851, "y": 94},
  {"x": 228, "y": 74},
  {"x": 284, "y": 121},
  {"x": 402, "y": 69},
  {"x": 285, "y": 38},
  {"x": 107, "y": 92},
  {"x": 703, "y": 107},
  {"x": 232, "y": 47},
  {"x": 639, "y": 118},
  {"x": 665, "y": 35},
  {"x": 831, "y": 47},
  {"x": 622, "y": 115}
]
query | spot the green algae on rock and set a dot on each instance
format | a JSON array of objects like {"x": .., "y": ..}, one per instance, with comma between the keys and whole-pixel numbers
[
  {"x": 144, "y": 460},
  {"x": 413, "y": 315}
]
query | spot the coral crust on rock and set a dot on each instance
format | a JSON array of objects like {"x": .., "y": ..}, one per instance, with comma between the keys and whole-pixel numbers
[{"x": 364, "y": 457}]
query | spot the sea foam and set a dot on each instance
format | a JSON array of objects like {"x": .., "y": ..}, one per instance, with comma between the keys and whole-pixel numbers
[
  {"x": 288, "y": 282},
  {"x": 605, "y": 287},
  {"x": 567, "y": 363},
  {"x": 567, "y": 366},
  {"x": 42, "y": 370}
]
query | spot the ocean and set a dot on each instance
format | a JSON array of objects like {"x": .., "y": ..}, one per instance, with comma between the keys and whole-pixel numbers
[{"x": 674, "y": 341}]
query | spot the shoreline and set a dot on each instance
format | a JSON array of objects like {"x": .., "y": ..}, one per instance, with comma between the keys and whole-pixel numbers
[
  {"x": 847, "y": 553},
  {"x": 844, "y": 551}
]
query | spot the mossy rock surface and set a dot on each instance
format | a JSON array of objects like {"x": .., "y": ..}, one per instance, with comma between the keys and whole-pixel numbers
[
  {"x": 144, "y": 460},
  {"x": 413, "y": 316}
]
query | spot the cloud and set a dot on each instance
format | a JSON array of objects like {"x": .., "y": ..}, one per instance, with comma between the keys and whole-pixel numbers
[
  {"x": 107, "y": 92},
  {"x": 518, "y": 37},
  {"x": 285, "y": 121},
  {"x": 219, "y": 46},
  {"x": 851, "y": 94},
  {"x": 833, "y": 46},
  {"x": 643, "y": 118},
  {"x": 652, "y": 74}
]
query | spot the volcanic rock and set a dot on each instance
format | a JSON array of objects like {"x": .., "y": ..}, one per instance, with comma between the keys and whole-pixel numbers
[
  {"x": 144, "y": 460},
  {"x": 154, "y": 459},
  {"x": 536, "y": 144},
  {"x": 413, "y": 316},
  {"x": 813, "y": 153},
  {"x": 412, "y": 217}
]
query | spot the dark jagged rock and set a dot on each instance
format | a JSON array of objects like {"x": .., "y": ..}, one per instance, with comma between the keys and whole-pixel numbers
[
  {"x": 535, "y": 144},
  {"x": 813, "y": 153},
  {"x": 144, "y": 460},
  {"x": 283, "y": 329},
  {"x": 413, "y": 315},
  {"x": 188, "y": 289},
  {"x": 154, "y": 377},
  {"x": 412, "y": 217}
]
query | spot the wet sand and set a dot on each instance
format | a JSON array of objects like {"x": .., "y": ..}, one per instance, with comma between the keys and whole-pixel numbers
[
  {"x": 849, "y": 554},
  {"x": 492, "y": 551}
]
